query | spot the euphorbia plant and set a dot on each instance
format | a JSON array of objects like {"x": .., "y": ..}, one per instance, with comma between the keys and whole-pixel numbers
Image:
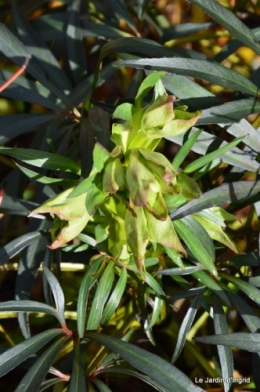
[{"x": 124, "y": 193}]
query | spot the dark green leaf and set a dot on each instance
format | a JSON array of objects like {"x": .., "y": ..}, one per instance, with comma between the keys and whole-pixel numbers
[
  {"x": 17, "y": 354},
  {"x": 133, "y": 373},
  {"x": 34, "y": 377},
  {"x": 101, "y": 386},
  {"x": 201, "y": 69},
  {"x": 120, "y": 11},
  {"x": 21, "y": 124},
  {"x": 190, "y": 92},
  {"x": 43, "y": 159},
  {"x": 141, "y": 5},
  {"x": 225, "y": 353},
  {"x": 43, "y": 61},
  {"x": 56, "y": 292},
  {"x": 78, "y": 378},
  {"x": 51, "y": 26},
  {"x": 28, "y": 91},
  {"x": 29, "y": 263},
  {"x": 184, "y": 29},
  {"x": 198, "y": 241},
  {"x": 185, "y": 326},
  {"x": 11, "y": 46},
  {"x": 93, "y": 29},
  {"x": 17, "y": 245},
  {"x": 34, "y": 175},
  {"x": 179, "y": 271},
  {"x": 29, "y": 306},
  {"x": 187, "y": 293},
  {"x": 152, "y": 365},
  {"x": 154, "y": 284},
  {"x": 225, "y": 193},
  {"x": 252, "y": 292},
  {"x": 157, "y": 308},
  {"x": 207, "y": 143},
  {"x": 76, "y": 52},
  {"x": 49, "y": 383},
  {"x": 84, "y": 89},
  {"x": 89, "y": 278},
  {"x": 250, "y": 318},
  {"x": 115, "y": 297},
  {"x": 14, "y": 206},
  {"x": 102, "y": 292},
  {"x": 245, "y": 341},
  {"x": 228, "y": 19},
  {"x": 244, "y": 128},
  {"x": 206, "y": 280},
  {"x": 229, "y": 112},
  {"x": 135, "y": 45}
]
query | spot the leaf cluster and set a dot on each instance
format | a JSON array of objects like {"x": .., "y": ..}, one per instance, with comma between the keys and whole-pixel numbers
[{"x": 130, "y": 249}]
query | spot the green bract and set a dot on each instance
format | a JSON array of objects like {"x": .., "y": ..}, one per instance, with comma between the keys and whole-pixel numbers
[{"x": 123, "y": 198}]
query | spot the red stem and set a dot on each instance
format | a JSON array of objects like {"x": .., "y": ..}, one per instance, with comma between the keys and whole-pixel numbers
[{"x": 15, "y": 75}]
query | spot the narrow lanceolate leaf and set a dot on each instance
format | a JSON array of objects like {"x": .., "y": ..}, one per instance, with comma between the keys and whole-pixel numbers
[
  {"x": 251, "y": 136},
  {"x": 46, "y": 385},
  {"x": 34, "y": 377},
  {"x": 121, "y": 12},
  {"x": 245, "y": 341},
  {"x": 206, "y": 159},
  {"x": 15, "y": 206},
  {"x": 201, "y": 69},
  {"x": 198, "y": 241},
  {"x": 206, "y": 280},
  {"x": 148, "y": 380},
  {"x": 179, "y": 271},
  {"x": 30, "y": 307},
  {"x": 229, "y": 112},
  {"x": 135, "y": 45},
  {"x": 157, "y": 308},
  {"x": 76, "y": 51},
  {"x": 250, "y": 318},
  {"x": 100, "y": 298},
  {"x": 78, "y": 378},
  {"x": 89, "y": 278},
  {"x": 227, "y": 19},
  {"x": 14, "y": 356},
  {"x": 11, "y": 46},
  {"x": 207, "y": 143},
  {"x": 225, "y": 193},
  {"x": 43, "y": 159},
  {"x": 154, "y": 284},
  {"x": 156, "y": 368},
  {"x": 185, "y": 326},
  {"x": 45, "y": 179},
  {"x": 184, "y": 29},
  {"x": 185, "y": 150},
  {"x": 16, "y": 246},
  {"x": 225, "y": 353},
  {"x": 115, "y": 297},
  {"x": 56, "y": 291},
  {"x": 20, "y": 124},
  {"x": 100, "y": 385},
  {"x": 42, "y": 58},
  {"x": 186, "y": 89},
  {"x": 252, "y": 292}
]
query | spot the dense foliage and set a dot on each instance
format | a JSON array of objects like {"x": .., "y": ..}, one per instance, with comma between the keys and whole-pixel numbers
[{"x": 130, "y": 193}]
